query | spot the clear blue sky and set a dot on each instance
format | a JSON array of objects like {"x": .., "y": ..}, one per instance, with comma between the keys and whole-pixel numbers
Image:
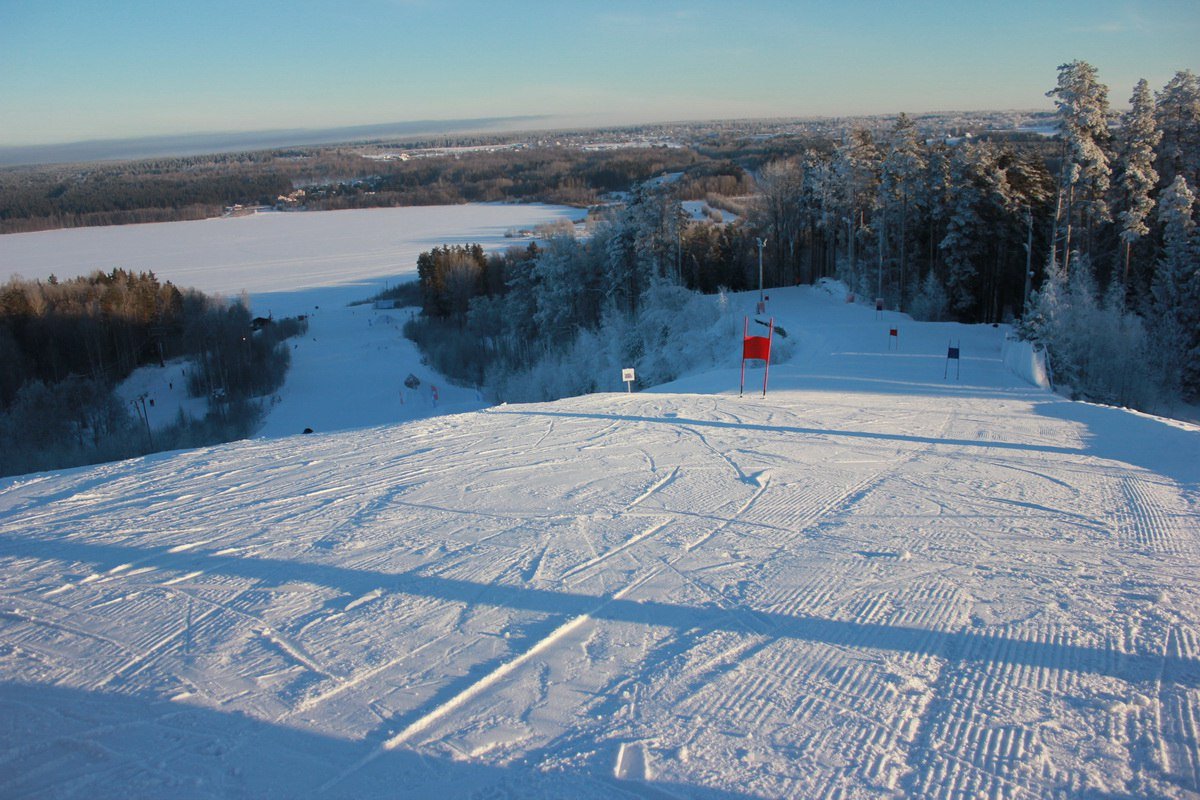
[{"x": 72, "y": 71}]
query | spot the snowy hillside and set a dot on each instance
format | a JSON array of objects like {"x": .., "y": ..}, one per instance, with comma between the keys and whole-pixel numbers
[{"x": 875, "y": 582}]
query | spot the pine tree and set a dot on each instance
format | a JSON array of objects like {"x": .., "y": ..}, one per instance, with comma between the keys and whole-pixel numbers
[
  {"x": 1139, "y": 136},
  {"x": 780, "y": 213},
  {"x": 900, "y": 182},
  {"x": 856, "y": 171},
  {"x": 820, "y": 187},
  {"x": 1177, "y": 266},
  {"x": 1176, "y": 290},
  {"x": 983, "y": 215},
  {"x": 1177, "y": 107},
  {"x": 1082, "y": 103},
  {"x": 962, "y": 244},
  {"x": 1046, "y": 309},
  {"x": 930, "y": 303},
  {"x": 557, "y": 289}
]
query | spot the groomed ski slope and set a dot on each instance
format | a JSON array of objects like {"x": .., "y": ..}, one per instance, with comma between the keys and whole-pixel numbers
[{"x": 875, "y": 582}]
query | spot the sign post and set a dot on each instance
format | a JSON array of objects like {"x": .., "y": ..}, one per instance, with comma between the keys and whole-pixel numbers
[
  {"x": 628, "y": 376},
  {"x": 894, "y": 333},
  {"x": 756, "y": 347}
]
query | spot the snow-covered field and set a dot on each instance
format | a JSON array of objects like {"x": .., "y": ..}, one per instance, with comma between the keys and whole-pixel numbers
[
  {"x": 699, "y": 210},
  {"x": 349, "y": 370},
  {"x": 274, "y": 253},
  {"x": 875, "y": 582}
]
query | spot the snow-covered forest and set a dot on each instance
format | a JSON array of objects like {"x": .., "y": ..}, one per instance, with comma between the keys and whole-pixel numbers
[
  {"x": 65, "y": 346},
  {"x": 1087, "y": 238}
]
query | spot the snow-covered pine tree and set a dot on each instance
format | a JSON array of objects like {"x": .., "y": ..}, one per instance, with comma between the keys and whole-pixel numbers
[
  {"x": 1126, "y": 376},
  {"x": 1175, "y": 291},
  {"x": 1139, "y": 136},
  {"x": 780, "y": 215},
  {"x": 935, "y": 200},
  {"x": 1082, "y": 103},
  {"x": 643, "y": 244},
  {"x": 930, "y": 302},
  {"x": 622, "y": 278},
  {"x": 1177, "y": 108},
  {"x": 820, "y": 189},
  {"x": 558, "y": 272},
  {"x": 962, "y": 246},
  {"x": 856, "y": 174},
  {"x": 900, "y": 183},
  {"x": 1044, "y": 317}
]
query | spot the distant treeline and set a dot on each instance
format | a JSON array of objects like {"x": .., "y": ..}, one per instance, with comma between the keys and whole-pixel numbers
[
  {"x": 327, "y": 178},
  {"x": 717, "y": 159},
  {"x": 64, "y": 346}
]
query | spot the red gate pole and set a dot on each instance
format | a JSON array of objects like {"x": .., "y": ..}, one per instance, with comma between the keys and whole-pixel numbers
[
  {"x": 767, "y": 363},
  {"x": 745, "y": 330}
]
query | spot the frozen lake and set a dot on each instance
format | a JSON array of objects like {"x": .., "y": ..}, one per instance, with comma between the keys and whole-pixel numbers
[{"x": 274, "y": 251}]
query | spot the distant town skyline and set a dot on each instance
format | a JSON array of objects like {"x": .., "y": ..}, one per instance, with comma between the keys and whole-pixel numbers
[{"x": 79, "y": 71}]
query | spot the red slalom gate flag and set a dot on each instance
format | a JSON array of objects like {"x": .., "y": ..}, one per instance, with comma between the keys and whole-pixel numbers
[{"x": 756, "y": 347}]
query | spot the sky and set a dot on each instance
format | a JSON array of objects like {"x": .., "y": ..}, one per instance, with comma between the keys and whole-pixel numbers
[{"x": 84, "y": 70}]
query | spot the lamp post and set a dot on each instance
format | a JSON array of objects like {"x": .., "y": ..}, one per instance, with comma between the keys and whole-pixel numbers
[{"x": 762, "y": 242}]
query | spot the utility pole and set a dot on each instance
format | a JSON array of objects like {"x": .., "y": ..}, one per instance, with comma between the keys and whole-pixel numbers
[{"x": 762, "y": 242}]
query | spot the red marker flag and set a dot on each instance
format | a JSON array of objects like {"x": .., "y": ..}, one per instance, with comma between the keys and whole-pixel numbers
[{"x": 756, "y": 347}]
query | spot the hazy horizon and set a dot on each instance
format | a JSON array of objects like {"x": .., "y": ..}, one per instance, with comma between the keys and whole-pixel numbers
[
  {"x": 136, "y": 69},
  {"x": 216, "y": 142}
]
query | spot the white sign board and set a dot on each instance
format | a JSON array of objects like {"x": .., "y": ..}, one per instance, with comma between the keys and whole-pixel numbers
[{"x": 628, "y": 376}]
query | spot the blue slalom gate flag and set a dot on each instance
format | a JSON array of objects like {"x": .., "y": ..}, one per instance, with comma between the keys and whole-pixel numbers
[{"x": 952, "y": 353}]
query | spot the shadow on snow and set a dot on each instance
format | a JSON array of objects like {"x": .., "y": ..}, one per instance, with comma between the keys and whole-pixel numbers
[
  {"x": 60, "y": 742},
  {"x": 962, "y": 646}
]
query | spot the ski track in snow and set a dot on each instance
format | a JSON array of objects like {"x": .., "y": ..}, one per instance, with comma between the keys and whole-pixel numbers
[{"x": 869, "y": 584}]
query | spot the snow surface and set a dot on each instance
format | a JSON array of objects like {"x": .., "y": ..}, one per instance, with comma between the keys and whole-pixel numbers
[
  {"x": 274, "y": 252},
  {"x": 875, "y": 582},
  {"x": 698, "y": 210},
  {"x": 349, "y": 370}
]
